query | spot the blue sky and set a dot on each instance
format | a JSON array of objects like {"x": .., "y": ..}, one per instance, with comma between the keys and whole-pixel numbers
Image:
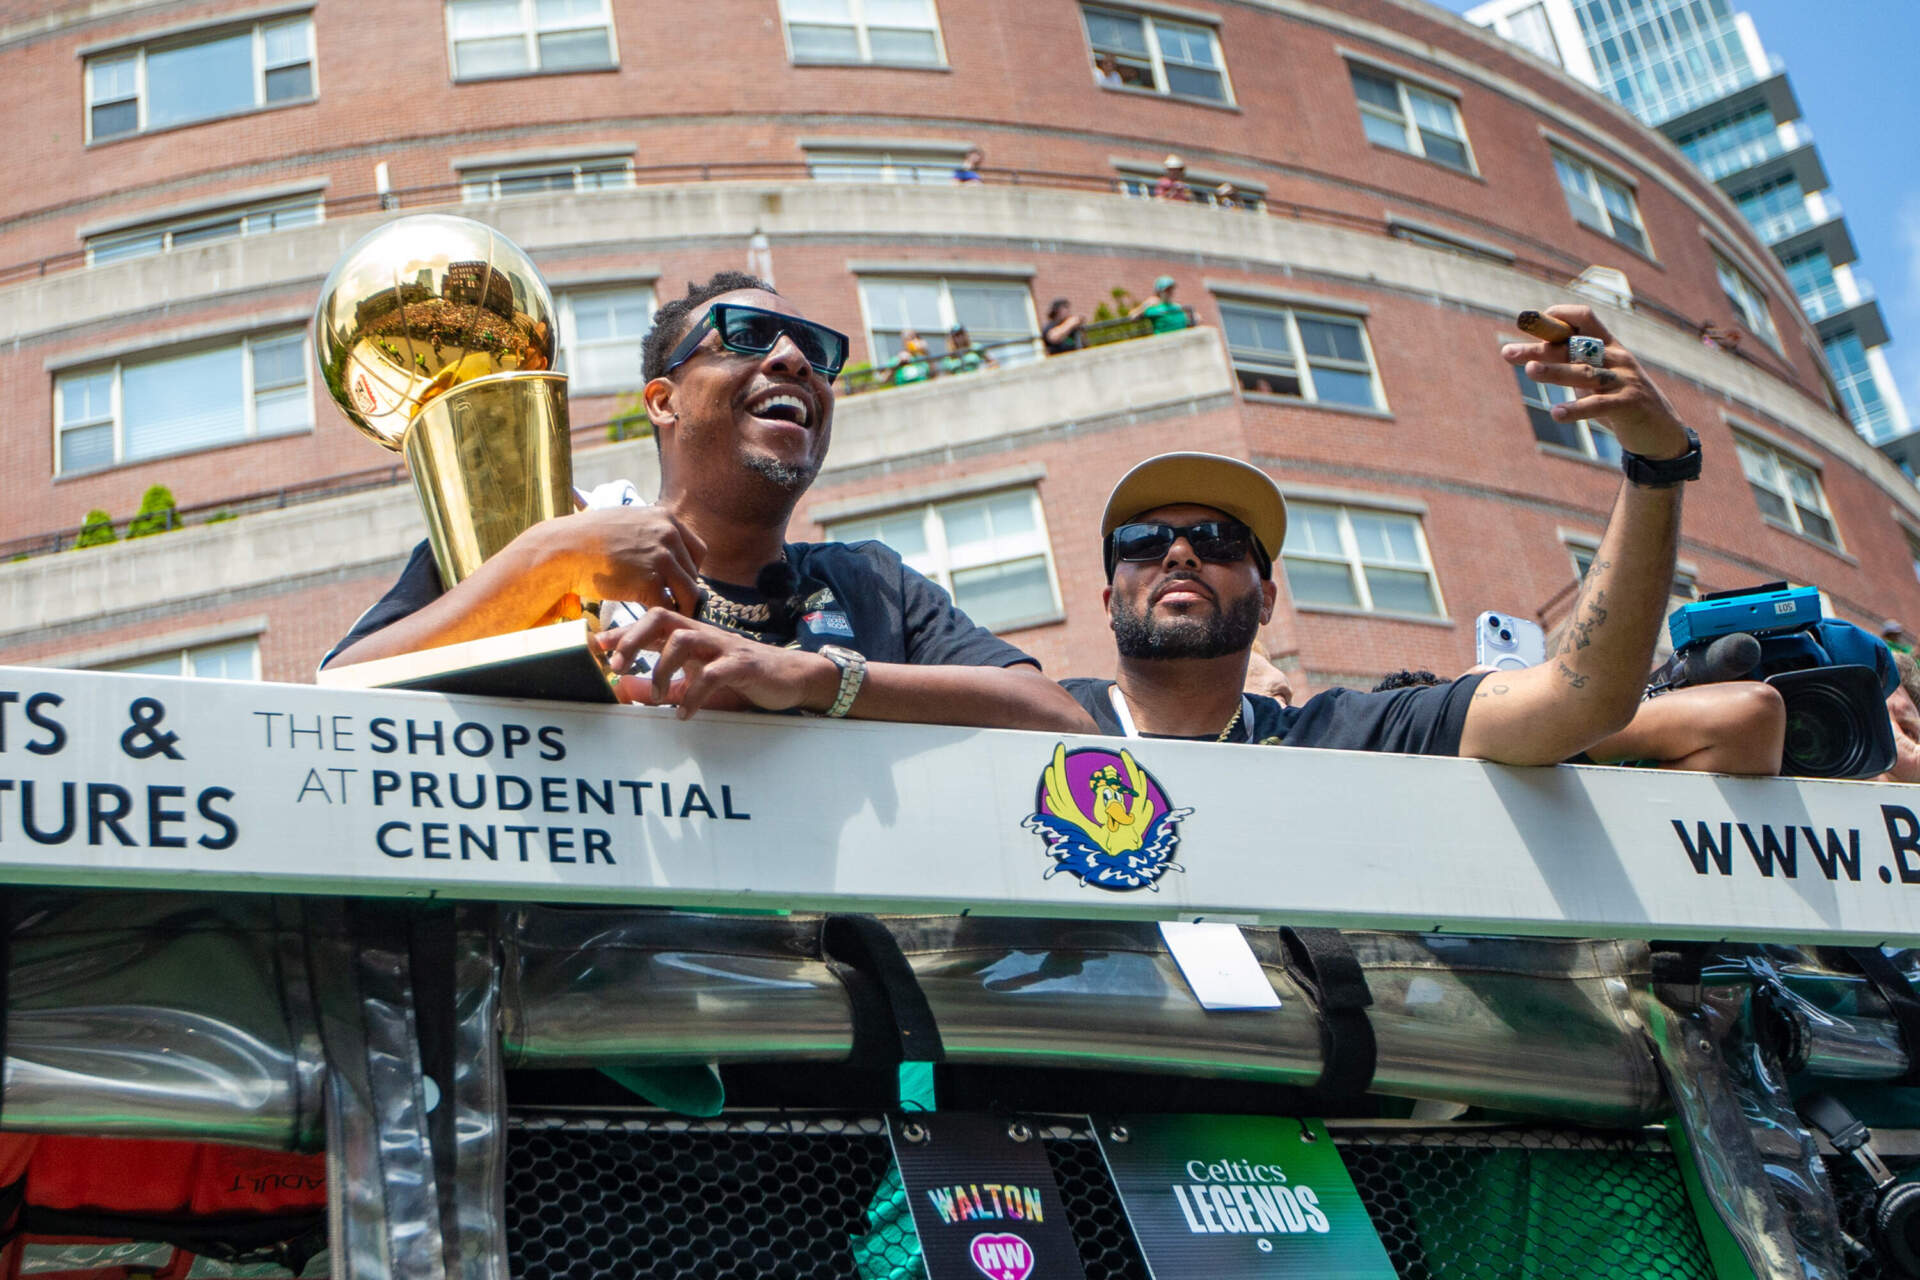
[{"x": 1852, "y": 67}]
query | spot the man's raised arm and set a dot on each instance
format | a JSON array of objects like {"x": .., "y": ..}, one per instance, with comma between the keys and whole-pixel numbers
[{"x": 1591, "y": 684}]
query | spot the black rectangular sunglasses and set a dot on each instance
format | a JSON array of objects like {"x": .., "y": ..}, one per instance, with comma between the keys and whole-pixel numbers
[
  {"x": 1219, "y": 541},
  {"x": 753, "y": 331}
]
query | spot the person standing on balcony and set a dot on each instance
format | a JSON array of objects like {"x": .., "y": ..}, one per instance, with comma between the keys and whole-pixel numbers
[
  {"x": 1173, "y": 181},
  {"x": 1161, "y": 311},
  {"x": 1190, "y": 540},
  {"x": 1065, "y": 330},
  {"x": 912, "y": 363},
  {"x": 739, "y": 389},
  {"x": 962, "y": 356},
  {"x": 969, "y": 170}
]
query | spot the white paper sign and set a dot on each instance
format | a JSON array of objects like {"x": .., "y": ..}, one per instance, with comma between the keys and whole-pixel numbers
[{"x": 1219, "y": 965}]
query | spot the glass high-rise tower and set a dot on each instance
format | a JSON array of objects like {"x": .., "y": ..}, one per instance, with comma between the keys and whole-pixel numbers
[{"x": 1696, "y": 70}]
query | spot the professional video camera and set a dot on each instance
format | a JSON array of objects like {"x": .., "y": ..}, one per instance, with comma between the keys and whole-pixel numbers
[{"x": 1834, "y": 677}]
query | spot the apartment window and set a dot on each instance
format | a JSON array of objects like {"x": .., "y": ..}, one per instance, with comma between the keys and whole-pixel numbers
[
  {"x": 516, "y": 37},
  {"x": 1600, "y": 201},
  {"x": 1318, "y": 357},
  {"x": 1747, "y": 301},
  {"x": 1408, "y": 118},
  {"x": 914, "y": 168},
  {"x": 1913, "y": 549},
  {"x": 201, "y": 77},
  {"x": 891, "y": 32},
  {"x": 601, "y": 331},
  {"x": 993, "y": 311},
  {"x": 204, "y": 228},
  {"x": 991, "y": 554},
  {"x": 1811, "y": 275},
  {"x": 1586, "y": 438},
  {"x": 183, "y": 401},
  {"x": 232, "y": 660},
  {"x": 1354, "y": 558},
  {"x": 1787, "y": 490},
  {"x": 602, "y": 173},
  {"x": 1159, "y": 54}
]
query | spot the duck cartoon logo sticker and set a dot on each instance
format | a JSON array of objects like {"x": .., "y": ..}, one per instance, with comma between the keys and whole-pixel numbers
[{"x": 1105, "y": 820}]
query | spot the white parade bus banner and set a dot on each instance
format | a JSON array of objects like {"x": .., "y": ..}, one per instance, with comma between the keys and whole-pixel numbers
[{"x": 140, "y": 781}]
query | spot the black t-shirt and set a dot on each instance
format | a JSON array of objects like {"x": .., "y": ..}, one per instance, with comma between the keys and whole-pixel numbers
[
  {"x": 1424, "y": 721},
  {"x": 858, "y": 595}
]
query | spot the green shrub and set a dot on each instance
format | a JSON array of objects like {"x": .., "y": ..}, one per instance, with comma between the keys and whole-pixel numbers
[
  {"x": 221, "y": 517},
  {"x": 629, "y": 421},
  {"x": 157, "y": 513},
  {"x": 96, "y": 529}
]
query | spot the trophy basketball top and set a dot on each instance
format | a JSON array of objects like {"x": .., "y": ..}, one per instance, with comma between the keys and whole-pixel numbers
[{"x": 420, "y": 306}]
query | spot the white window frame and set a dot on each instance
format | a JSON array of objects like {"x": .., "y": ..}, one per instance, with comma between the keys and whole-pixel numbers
[
  {"x": 571, "y": 345},
  {"x": 1759, "y": 455},
  {"x": 906, "y": 166},
  {"x": 530, "y": 32},
  {"x": 1355, "y": 566},
  {"x": 1303, "y": 363},
  {"x": 1416, "y": 143},
  {"x": 863, "y": 41},
  {"x": 938, "y": 562},
  {"x": 948, "y": 315},
  {"x": 185, "y": 655},
  {"x": 1149, "y": 22},
  {"x": 162, "y": 233},
  {"x": 138, "y": 55},
  {"x": 483, "y": 182},
  {"x": 248, "y": 394},
  {"x": 1748, "y": 299},
  {"x": 1596, "y": 179}
]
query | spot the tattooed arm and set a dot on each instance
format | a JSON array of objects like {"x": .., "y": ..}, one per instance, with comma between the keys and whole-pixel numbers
[{"x": 1590, "y": 685}]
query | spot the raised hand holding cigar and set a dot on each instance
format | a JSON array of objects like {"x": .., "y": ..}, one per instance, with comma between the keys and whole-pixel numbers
[
  {"x": 1594, "y": 676},
  {"x": 1575, "y": 350}
]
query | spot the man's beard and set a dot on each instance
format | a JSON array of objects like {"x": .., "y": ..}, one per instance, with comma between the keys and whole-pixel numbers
[
  {"x": 782, "y": 475},
  {"x": 1229, "y": 629}
]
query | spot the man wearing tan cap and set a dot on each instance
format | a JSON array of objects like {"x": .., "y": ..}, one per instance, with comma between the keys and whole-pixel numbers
[{"x": 1190, "y": 540}]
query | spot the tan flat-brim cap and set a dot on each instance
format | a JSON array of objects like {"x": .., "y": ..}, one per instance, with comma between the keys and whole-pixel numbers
[{"x": 1238, "y": 488}]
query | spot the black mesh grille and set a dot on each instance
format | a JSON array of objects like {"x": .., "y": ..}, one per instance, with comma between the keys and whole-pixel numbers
[
  {"x": 1574, "y": 1205},
  {"x": 816, "y": 1197}
]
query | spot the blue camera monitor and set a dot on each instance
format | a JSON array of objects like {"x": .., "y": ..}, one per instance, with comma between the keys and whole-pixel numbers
[{"x": 1758, "y": 611}]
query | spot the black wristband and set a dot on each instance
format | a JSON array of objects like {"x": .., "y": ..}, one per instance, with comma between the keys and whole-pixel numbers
[{"x": 1664, "y": 473}]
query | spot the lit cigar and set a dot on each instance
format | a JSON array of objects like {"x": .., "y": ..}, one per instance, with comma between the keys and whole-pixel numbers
[{"x": 1545, "y": 328}]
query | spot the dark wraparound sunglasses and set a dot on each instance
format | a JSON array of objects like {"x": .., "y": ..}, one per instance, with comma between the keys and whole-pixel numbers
[
  {"x": 1219, "y": 541},
  {"x": 753, "y": 331}
]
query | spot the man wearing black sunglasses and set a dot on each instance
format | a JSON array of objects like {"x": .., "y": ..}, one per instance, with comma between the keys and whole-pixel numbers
[
  {"x": 739, "y": 391},
  {"x": 1190, "y": 541}
]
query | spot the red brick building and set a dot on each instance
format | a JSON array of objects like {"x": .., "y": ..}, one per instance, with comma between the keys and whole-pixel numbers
[{"x": 184, "y": 175}]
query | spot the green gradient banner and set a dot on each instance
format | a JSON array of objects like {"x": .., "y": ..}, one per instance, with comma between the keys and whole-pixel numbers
[{"x": 1232, "y": 1196}]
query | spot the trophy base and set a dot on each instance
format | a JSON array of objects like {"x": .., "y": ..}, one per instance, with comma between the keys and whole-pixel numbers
[{"x": 558, "y": 663}]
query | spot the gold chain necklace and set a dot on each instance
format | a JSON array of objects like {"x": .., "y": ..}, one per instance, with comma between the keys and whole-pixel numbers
[
  {"x": 1233, "y": 723},
  {"x": 722, "y": 612}
]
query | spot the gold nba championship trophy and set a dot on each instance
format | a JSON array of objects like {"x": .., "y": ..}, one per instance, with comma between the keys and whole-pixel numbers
[{"x": 435, "y": 336}]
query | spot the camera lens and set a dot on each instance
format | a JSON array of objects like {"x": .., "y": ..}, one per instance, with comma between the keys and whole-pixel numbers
[
  {"x": 1825, "y": 736},
  {"x": 1507, "y": 636},
  {"x": 1493, "y": 623}
]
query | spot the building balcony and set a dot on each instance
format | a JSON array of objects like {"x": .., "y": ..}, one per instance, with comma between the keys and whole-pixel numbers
[
  {"x": 1770, "y": 88},
  {"x": 1834, "y": 311},
  {"x": 1817, "y": 223},
  {"x": 1788, "y": 150}
]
